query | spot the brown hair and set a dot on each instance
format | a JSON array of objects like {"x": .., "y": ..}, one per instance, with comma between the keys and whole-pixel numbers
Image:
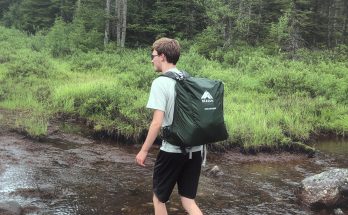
[{"x": 169, "y": 47}]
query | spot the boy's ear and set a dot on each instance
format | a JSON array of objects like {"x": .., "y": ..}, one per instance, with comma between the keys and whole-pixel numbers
[{"x": 164, "y": 57}]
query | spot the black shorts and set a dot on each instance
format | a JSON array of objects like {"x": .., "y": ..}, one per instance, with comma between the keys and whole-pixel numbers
[{"x": 172, "y": 168}]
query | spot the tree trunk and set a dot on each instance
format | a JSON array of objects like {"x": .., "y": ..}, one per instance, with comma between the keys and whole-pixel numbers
[
  {"x": 344, "y": 23},
  {"x": 259, "y": 20},
  {"x": 107, "y": 23},
  {"x": 249, "y": 18},
  {"x": 118, "y": 21},
  {"x": 230, "y": 30},
  {"x": 344, "y": 30},
  {"x": 124, "y": 23},
  {"x": 61, "y": 11},
  {"x": 78, "y": 8},
  {"x": 240, "y": 10},
  {"x": 294, "y": 31},
  {"x": 334, "y": 24},
  {"x": 329, "y": 29},
  {"x": 315, "y": 20}
]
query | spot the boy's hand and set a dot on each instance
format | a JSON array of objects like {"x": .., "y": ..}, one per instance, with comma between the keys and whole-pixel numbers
[{"x": 141, "y": 157}]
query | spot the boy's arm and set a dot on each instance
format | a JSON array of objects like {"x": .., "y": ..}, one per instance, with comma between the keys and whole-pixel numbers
[{"x": 154, "y": 129}]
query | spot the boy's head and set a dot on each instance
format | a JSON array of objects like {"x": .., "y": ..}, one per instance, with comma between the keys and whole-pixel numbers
[{"x": 169, "y": 47}]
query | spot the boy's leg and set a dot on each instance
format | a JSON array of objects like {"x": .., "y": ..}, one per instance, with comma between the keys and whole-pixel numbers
[
  {"x": 188, "y": 183},
  {"x": 166, "y": 171},
  {"x": 160, "y": 208},
  {"x": 190, "y": 206}
]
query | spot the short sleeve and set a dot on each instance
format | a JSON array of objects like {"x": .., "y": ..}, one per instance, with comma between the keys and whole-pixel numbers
[{"x": 157, "y": 98}]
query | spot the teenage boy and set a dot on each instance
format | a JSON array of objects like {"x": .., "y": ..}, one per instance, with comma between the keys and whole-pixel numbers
[{"x": 171, "y": 166}]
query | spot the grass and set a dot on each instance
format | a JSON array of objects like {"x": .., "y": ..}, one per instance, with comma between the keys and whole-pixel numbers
[{"x": 270, "y": 101}]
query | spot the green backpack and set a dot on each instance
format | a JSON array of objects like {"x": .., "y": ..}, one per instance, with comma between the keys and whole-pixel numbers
[{"x": 198, "y": 112}]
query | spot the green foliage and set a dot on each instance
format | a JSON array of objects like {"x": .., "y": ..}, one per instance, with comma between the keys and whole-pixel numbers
[
  {"x": 141, "y": 30},
  {"x": 84, "y": 39},
  {"x": 66, "y": 38},
  {"x": 217, "y": 24},
  {"x": 58, "y": 39},
  {"x": 35, "y": 15},
  {"x": 4, "y": 5},
  {"x": 38, "y": 42},
  {"x": 34, "y": 125},
  {"x": 11, "y": 40},
  {"x": 107, "y": 102},
  {"x": 280, "y": 31},
  {"x": 31, "y": 115},
  {"x": 326, "y": 79},
  {"x": 270, "y": 101},
  {"x": 208, "y": 41},
  {"x": 10, "y": 17},
  {"x": 179, "y": 18},
  {"x": 65, "y": 9},
  {"x": 30, "y": 64},
  {"x": 30, "y": 15}
]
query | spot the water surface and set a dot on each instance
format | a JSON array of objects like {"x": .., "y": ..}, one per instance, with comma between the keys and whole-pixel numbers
[{"x": 83, "y": 176}]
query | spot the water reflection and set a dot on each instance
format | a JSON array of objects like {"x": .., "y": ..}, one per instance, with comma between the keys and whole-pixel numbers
[
  {"x": 334, "y": 150},
  {"x": 268, "y": 187}
]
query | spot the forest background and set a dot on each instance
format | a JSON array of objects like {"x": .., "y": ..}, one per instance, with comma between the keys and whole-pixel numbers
[{"x": 284, "y": 64}]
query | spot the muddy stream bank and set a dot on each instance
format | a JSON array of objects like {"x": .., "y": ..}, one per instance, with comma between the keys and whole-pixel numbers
[{"x": 69, "y": 173}]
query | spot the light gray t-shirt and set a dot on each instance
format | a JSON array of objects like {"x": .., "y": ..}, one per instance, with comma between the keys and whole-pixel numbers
[{"x": 162, "y": 97}]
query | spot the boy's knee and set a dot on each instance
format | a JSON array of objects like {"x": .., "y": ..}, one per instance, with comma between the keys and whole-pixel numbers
[
  {"x": 187, "y": 202},
  {"x": 156, "y": 200},
  {"x": 190, "y": 206}
]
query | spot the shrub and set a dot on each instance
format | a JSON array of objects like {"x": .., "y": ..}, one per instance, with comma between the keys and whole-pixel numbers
[
  {"x": 58, "y": 40},
  {"x": 208, "y": 41},
  {"x": 31, "y": 64}
]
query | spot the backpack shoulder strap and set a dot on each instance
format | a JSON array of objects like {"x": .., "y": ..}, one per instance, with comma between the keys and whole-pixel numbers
[{"x": 176, "y": 76}]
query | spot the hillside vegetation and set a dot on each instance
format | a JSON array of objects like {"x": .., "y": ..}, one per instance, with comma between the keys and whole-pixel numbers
[{"x": 271, "y": 101}]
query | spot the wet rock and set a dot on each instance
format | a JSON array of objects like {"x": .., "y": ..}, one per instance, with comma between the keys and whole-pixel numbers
[
  {"x": 215, "y": 171},
  {"x": 30, "y": 209},
  {"x": 325, "y": 190},
  {"x": 344, "y": 190},
  {"x": 173, "y": 209},
  {"x": 338, "y": 211},
  {"x": 40, "y": 191},
  {"x": 47, "y": 191},
  {"x": 10, "y": 208},
  {"x": 60, "y": 163}
]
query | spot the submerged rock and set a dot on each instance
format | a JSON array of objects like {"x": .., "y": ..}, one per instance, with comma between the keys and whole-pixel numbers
[
  {"x": 214, "y": 172},
  {"x": 338, "y": 211},
  {"x": 325, "y": 190},
  {"x": 10, "y": 208}
]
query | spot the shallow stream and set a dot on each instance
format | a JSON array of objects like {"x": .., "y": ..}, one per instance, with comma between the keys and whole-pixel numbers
[{"x": 71, "y": 174}]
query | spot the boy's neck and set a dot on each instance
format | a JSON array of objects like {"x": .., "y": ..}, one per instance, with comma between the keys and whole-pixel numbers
[{"x": 167, "y": 67}]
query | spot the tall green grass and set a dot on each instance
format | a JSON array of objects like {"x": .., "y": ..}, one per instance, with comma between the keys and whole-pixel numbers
[
  {"x": 271, "y": 101},
  {"x": 106, "y": 101}
]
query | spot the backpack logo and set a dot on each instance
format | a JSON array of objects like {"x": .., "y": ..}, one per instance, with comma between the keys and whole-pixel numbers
[{"x": 207, "y": 98}]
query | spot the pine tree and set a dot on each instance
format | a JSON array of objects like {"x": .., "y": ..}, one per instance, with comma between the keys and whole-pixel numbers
[
  {"x": 65, "y": 9},
  {"x": 4, "y": 6},
  {"x": 179, "y": 18},
  {"x": 141, "y": 29},
  {"x": 11, "y": 16},
  {"x": 36, "y": 15},
  {"x": 89, "y": 24}
]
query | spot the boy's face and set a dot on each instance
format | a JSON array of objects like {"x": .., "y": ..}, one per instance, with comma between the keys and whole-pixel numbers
[{"x": 156, "y": 61}]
